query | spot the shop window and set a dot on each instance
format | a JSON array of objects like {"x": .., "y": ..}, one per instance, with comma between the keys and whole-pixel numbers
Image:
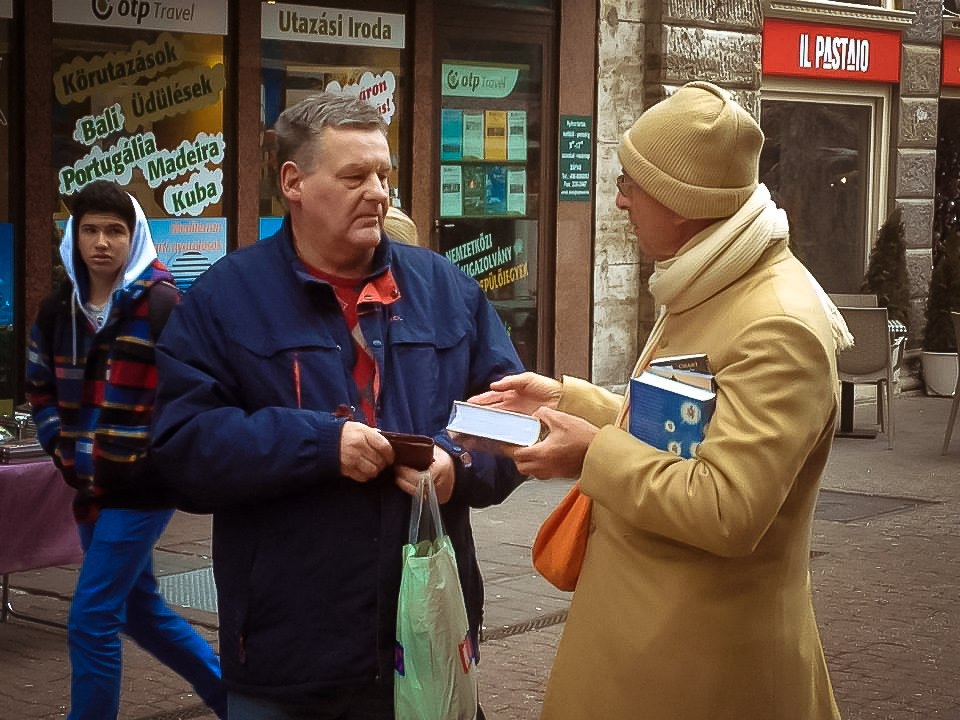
[
  {"x": 490, "y": 172},
  {"x": 363, "y": 53},
  {"x": 144, "y": 108},
  {"x": 819, "y": 162},
  {"x": 8, "y": 353}
]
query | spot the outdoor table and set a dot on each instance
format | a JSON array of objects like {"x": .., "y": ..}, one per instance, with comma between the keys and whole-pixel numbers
[{"x": 37, "y": 528}]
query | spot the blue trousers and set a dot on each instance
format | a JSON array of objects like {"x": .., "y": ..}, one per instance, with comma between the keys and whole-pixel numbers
[{"x": 117, "y": 592}]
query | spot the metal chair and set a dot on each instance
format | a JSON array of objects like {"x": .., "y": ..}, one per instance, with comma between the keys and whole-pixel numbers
[
  {"x": 872, "y": 359},
  {"x": 955, "y": 316}
]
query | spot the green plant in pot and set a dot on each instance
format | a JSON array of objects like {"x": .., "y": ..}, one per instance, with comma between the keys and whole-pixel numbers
[
  {"x": 887, "y": 269},
  {"x": 939, "y": 343}
]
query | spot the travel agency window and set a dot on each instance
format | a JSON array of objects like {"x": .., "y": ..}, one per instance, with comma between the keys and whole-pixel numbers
[
  {"x": 138, "y": 100},
  {"x": 8, "y": 260},
  {"x": 357, "y": 51},
  {"x": 825, "y": 111},
  {"x": 491, "y": 201}
]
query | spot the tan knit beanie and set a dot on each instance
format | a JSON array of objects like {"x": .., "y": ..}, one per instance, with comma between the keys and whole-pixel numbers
[
  {"x": 399, "y": 226},
  {"x": 697, "y": 152}
]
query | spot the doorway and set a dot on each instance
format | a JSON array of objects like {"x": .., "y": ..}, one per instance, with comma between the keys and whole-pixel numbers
[{"x": 494, "y": 211}]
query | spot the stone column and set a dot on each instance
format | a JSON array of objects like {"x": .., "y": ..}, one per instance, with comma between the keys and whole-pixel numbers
[
  {"x": 647, "y": 50},
  {"x": 916, "y": 148}
]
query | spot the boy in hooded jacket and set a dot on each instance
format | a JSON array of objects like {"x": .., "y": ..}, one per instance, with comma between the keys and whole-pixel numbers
[{"x": 91, "y": 382}]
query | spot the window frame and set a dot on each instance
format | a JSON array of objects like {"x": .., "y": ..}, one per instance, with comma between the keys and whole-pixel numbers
[{"x": 875, "y": 96}]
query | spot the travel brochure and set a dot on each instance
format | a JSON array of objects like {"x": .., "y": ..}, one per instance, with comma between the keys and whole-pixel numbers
[{"x": 473, "y": 143}]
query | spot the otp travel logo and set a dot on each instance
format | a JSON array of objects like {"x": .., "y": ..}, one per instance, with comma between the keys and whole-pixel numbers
[{"x": 140, "y": 9}]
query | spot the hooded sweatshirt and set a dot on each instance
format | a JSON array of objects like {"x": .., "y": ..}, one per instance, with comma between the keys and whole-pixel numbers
[{"x": 92, "y": 388}]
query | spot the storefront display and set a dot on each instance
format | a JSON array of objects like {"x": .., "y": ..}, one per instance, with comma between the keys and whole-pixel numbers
[
  {"x": 308, "y": 49},
  {"x": 488, "y": 158},
  {"x": 138, "y": 100}
]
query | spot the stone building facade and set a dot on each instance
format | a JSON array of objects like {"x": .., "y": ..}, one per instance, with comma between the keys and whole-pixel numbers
[{"x": 647, "y": 49}]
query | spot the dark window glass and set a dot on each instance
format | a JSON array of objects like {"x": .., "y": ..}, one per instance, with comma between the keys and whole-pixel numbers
[
  {"x": 815, "y": 162},
  {"x": 8, "y": 359}
]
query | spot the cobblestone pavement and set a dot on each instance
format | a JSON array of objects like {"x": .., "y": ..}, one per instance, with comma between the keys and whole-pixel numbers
[{"x": 886, "y": 576}]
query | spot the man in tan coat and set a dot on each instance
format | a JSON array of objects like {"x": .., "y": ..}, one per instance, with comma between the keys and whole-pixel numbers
[{"x": 694, "y": 599}]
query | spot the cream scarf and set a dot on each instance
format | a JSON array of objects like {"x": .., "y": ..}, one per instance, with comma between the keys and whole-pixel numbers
[{"x": 715, "y": 258}]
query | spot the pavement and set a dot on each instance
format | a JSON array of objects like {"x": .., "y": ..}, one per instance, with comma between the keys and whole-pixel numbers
[{"x": 885, "y": 567}]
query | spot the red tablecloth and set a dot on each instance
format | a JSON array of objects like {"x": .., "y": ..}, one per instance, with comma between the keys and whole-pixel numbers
[{"x": 37, "y": 528}]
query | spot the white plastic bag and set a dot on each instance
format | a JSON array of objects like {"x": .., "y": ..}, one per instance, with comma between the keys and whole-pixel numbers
[{"x": 436, "y": 672}]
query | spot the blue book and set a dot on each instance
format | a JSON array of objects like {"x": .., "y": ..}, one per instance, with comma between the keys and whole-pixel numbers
[{"x": 668, "y": 414}]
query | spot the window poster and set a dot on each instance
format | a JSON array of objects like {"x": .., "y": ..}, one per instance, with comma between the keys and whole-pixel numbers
[
  {"x": 496, "y": 190},
  {"x": 517, "y": 191},
  {"x": 501, "y": 254},
  {"x": 189, "y": 247},
  {"x": 144, "y": 108},
  {"x": 474, "y": 189},
  {"x": 451, "y": 134},
  {"x": 378, "y": 90},
  {"x": 6, "y": 275},
  {"x": 495, "y": 135},
  {"x": 516, "y": 134},
  {"x": 451, "y": 191},
  {"x": 8, "y": 360},
  {"x": 473, "y": 134},
  {"x": 495, "y": 252}
]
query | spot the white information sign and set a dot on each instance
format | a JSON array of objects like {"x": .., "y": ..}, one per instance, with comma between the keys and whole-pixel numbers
[
  {"x": 206, "y": 17},
  {"x": 339, "y": 26}
]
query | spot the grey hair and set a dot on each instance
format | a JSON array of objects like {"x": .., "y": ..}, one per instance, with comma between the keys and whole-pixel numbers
[{"x": 299, "y": 126}]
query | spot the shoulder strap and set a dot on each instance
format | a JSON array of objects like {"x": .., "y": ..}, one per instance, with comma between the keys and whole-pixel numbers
[{"x": 163, "y": 297}]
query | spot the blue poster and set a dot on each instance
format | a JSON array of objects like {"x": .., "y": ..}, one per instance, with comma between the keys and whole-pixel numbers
[
  {"x": 189, "y": 247},
  {"x": 269, "y": 225},
  {"x": 6, "y": 274}
]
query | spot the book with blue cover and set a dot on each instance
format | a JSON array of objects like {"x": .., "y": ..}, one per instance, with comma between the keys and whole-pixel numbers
[{"x": 669, "y": 414}]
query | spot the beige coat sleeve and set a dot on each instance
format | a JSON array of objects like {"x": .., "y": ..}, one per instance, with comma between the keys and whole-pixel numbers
[
  {"x": 776, "y": 402},
  {"x": 585, "y": 400}
]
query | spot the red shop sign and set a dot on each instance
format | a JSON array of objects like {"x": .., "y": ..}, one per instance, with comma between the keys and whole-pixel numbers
[
  {"x": 830, "y": 52},
  {"x": 951, "y": 61}
]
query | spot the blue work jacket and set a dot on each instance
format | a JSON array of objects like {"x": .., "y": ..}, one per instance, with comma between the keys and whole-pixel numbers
[{"x": 253, "y": 366}]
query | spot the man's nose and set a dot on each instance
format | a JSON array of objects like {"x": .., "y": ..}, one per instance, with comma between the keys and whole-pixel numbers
[
  {"x": 622, "y": 203},
  {"x": 376, "y": 188}
]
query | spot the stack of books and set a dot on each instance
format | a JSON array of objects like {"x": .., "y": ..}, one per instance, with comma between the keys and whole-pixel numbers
[{"x": 671, "y": 403}]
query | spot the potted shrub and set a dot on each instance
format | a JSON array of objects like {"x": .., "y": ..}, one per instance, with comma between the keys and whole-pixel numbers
[
  {"x": 886, "y": 277},
  {"x": 887, "y": 269},
  {"x": 887, "y": 273},
  {"x": 939, "y": 358}
]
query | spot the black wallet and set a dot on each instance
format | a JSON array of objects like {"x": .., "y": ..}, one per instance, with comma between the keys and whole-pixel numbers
[{"x": 414, "y": 451}]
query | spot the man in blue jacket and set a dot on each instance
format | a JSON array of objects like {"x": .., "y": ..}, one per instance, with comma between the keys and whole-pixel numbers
[{"x": 277, "y": 373}]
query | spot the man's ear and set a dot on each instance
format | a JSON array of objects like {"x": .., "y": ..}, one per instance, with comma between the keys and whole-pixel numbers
[{"x": 291, "y": 178}]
